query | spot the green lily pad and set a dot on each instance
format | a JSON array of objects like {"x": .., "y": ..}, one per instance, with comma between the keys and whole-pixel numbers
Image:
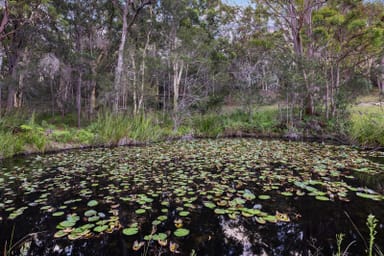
[
  {"x": 92, "y": 203},
  {"x": 220, "y": 211},
  {"x": 130, "y": 231},
  {"x": 100, "y": 229},
  {"x": 90, "y": 213},
  {"x": 140, "y": 211},
  {"x": 264, "y": 197},
  {"x": 181, "y": 232},
  {"x": 183, "y": 213},
  {"x": 67, "y": 224},
  {"x": 58, "y": 214},
  {"x": 159, "y": 236},
  {"x": 60, "y": 234},
  {"x": 375, "y": 197},
  {"x": 322, "y": 198},
  {"x": 209, "y": 205}
]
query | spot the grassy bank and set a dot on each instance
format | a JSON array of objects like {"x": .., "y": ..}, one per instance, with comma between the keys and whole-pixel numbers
[
  {"x": 25, "y": 134},
  {"x": 367, "y": 125}
]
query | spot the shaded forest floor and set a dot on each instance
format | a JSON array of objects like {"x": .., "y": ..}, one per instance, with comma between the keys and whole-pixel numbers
[{"x": 23, "y": 134}]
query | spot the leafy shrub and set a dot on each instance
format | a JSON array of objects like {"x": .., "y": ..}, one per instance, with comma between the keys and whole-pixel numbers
[
  {"x": 63, "y": 136},
  {"x": 84, "y": 136}
]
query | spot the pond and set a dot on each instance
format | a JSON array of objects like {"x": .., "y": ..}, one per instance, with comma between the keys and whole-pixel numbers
[{"x": 199, "y": 197}]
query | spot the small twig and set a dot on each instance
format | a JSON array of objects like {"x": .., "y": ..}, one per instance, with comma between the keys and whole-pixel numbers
[
  {"x": 357, "y": 230},
  {"x": 347, "y": 248}
]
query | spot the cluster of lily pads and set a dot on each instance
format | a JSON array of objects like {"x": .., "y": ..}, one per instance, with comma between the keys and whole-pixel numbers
[{"x": 91, "y": 193}]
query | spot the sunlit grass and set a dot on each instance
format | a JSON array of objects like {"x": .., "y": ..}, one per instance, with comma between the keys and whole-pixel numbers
[{"x": 367, "y": 124}]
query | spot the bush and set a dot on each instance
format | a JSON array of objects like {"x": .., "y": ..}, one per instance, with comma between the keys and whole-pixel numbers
[
  {"x": 110, "y": 128},
  {"x": 368, "y": 129},
  {"x": 10, "y": 144},
  {"x": 208, "y": 125},
  {"x": 63, "y": 136},
  {"x": 84, "y": 136}
]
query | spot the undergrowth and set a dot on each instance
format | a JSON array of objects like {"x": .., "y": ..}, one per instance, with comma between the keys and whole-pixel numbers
[{"x": 367, "y": 127}]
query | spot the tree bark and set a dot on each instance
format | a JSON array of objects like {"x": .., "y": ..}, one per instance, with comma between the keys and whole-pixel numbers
[
  {"x": 11, "y": 85},
  {"x": 381, "y": 76},
  {"x": 78, "y": 98},
  {"x": 120, "y": 58},
  {"x": 1, "y": 68},
  {"x": 178, "y": 66},
  {"x": 141, "y": 100}
]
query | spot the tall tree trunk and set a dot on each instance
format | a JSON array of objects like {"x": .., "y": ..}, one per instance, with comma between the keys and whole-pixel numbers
[
  {"x": 141, "y": 100},
  {"x": 178, "y": 66},
  {"x": 120, "y": 58},
  {"x": 381, "y": 76},
  {"x": 79, "y": 49},
  {"x": 92, "y": 99},
  {"x": 134, "y": 84},
  {"x": 78, "y": 98},
  {"x": 1, "y": 68}
]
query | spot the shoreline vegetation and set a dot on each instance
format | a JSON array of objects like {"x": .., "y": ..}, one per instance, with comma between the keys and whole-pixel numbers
[{"x": 21, "y": 134}]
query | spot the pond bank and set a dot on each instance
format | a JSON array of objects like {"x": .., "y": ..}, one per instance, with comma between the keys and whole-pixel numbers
[
  {"x": 56, "y": 147},
  {"x": 28, "y": 136}
]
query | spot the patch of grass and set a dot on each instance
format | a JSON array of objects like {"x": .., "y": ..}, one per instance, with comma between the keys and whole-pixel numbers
[
  {"x": 12, "y": 121},
  {"x": 11, "y": 144},
  {"x": 110, "y": 128},
  {"x": 208, "y": 125},
  {"x": 367, "y": 125},
  {"x": 262, "y": 121}
]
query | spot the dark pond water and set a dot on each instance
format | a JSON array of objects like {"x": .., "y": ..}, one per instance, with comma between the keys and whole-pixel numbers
[{"x": 204, "y": 197}]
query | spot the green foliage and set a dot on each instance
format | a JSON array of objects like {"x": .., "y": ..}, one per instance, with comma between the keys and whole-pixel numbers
[
  {"x": 12, "y": 121},
  {"x": 339, "y": 240},
  {"x": 84, "y": 136},
  {"x": 262, "y": 121},
  {"x": 63, "y": 136},
  {"x": 111, "y": 128},
  {"x": 208, "y": 125},
  {"x": 367, "y": 128},
  {"x": 34, "y": 134},
  {"x": 11, "y": 144},
  {"x": 371, "y": 224}
]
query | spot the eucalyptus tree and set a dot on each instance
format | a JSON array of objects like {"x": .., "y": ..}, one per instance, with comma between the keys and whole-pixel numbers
[
  {"x": 347, "y": 37},
  {"x": 188, "y": 40},
  {"x": 129, "y": 11},
  {"x": 17, "y": 29}
]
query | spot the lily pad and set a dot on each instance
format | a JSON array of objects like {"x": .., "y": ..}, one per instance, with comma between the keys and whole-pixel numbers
[
  {"x": 92, "y": 203},
  {"x": 100, "y": 229},
  {"x": 130, "y": 231},
  {"x": 264, "y": 197},
  {"x": 181, "y": 232}
]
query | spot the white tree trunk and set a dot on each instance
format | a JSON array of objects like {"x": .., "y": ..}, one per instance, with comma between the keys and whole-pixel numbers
[
  {"x": 178, "y": 66},
  {"x": 141, "y": 100},
  {"x": 120, "y": 59}
]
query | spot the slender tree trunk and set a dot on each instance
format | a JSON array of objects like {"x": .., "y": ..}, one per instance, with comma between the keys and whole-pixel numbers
[
  {"x": 178, "y": 67},
  {"x": 79, "y": 84},
  {"x": 134, "y": 84},
  {"x": 381, "y": 76},
  {"x": 1, "y": 68},
  {"x": 12, "y": 58},
  {"x": 120, "y": 58},
  {"x": 78, "y": 98},
  {"x": 92, "y": 99},
  {"x": 141, "y": 100}
]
